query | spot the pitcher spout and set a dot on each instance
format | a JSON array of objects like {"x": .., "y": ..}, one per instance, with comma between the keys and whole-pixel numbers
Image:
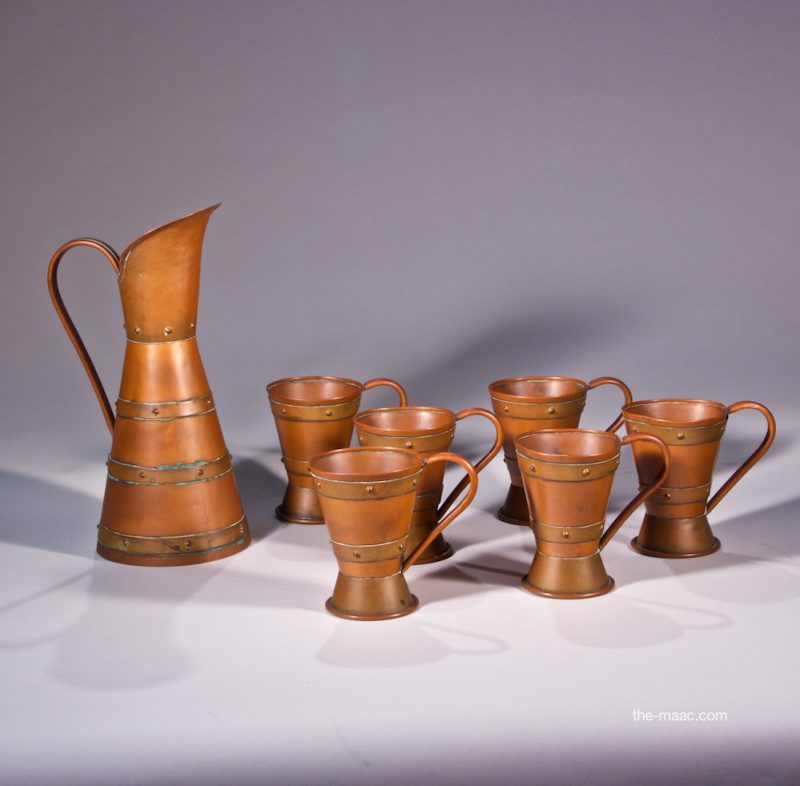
[{"x": 159, "y": 280}]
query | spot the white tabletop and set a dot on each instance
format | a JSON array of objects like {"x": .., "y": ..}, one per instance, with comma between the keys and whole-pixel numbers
[{"x": 233, "y": 672}]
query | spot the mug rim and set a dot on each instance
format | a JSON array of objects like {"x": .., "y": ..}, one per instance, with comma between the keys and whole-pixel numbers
[
  {"x": 278, "y": 399},
  {"x": 631, "y": 414},
  {"x": 415, "y": 465},
  {"x": 496, "y": 393},
  {"x": 369, "y": 428},
  {"x": 568, "y": 458}
]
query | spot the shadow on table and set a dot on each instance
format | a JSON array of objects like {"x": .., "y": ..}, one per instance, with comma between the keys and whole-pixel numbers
[{"x": 404, "y": 642}]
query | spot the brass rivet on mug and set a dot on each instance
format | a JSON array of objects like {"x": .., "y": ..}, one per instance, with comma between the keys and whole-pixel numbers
[
  {"x": 667, "y": 495},
  {"x": 137, "y": 330},
  {"x": 585, "y": 471},
  {"x": 551, "y": 410},
  {"x": 283, "y": 410},
  {"x": 532, "y": 467},
  {"x": 199, "y": 471},
  {"x": 357, "y": 554},
  {"x": 188, "y": 544},
  {"x": 142, "y": 475},
  {"x": 156, "y": 410},
  {"x": 124, "y": 541},
  {"x": 680, "y": 435},
  {"x": 409, "y": 444},
  {"x": 565, "y": 534},
  {"x": 505, "y": 409},
  {"x": 370, "y": 489},
  {"x": 319, "y": 485},
  {"x": 167, "y": 331},
  {"x": 328, "y": 412}
]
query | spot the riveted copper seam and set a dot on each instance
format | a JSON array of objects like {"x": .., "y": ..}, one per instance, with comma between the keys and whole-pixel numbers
[
  {"x": 315, "y": 413},
  {"x": 540, "y": 411},
  {"x": 560, "y": 533},
  {"x": 371, "y": 552},
  {"x": 168, "y": 546},
  {"x": 375, "y": 489},
  {"x": 679, "y": 496},
  {"x": 180, "y": 475},
  {"x": 546, "y": 470},
  {"x": 165, "y": 410},
  {"x": 679, "y": 435}
]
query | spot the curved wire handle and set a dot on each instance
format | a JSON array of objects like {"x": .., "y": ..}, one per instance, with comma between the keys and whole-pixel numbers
[
  {"x": 389, "y": 383},
  {"x": 645, "y": 493},
  {"x": 626, "y": 391},
  {"x": 69, "y": 325},
  {"x": 479, "y": 465},
  {"x": 457, "y": 510},
  {"x": 747, "y": 465}
]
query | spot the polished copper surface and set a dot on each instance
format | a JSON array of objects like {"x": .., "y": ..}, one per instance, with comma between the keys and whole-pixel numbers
[
  {"x": 567, "y": 476},
  {"x": 525, "y": 404},
  {"x": 425, "y": 430},
  {"x": 314, "y": 415},
  {"x": 367, "y": 496},
  {"x": 675, "y": 522},
  {"x": 171, "y": 498}
]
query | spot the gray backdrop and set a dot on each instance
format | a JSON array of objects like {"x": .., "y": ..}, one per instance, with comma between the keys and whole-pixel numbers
[{"x": 442, "y": 192}]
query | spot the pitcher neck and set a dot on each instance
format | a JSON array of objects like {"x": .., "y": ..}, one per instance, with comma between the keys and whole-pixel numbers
[{"x": 159, "y": 280}]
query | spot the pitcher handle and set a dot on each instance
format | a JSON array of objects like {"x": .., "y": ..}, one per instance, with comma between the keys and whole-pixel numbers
[
  {"x": 626, "y": 392},
  {"x": 453, "y": 514},
  {"x": 389, "y": 383},
  {"x": 747, "y": 465},
  {"x": 645, "y": 493},
  {"x": 69, "y": 325},
  {"x": 479, "y": 465}
]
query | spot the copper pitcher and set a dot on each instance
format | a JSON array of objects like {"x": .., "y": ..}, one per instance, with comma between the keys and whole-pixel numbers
[
  {"x": 425, "y": 430},
  {"x": 525, "y": 404},
  {"x": 314, "y": 415},
  {"x": 171, "y": 498},
  {"x": 568, "y": 476},
  {"x": 367, "y": 497},
  {"x": 675, "y": 523}
]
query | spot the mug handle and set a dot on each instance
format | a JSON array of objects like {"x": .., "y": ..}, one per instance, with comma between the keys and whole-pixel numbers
[
  {"x": 479, "y": 465},
  {"x": 626, "y": 391},
  {"x": 456, "y": 512},
  {"x": 645, "y": 493},
  {"x": 747, "y": 465},
  {"x": 389, "y": 383},
  {"x": 69, "y": 325}
]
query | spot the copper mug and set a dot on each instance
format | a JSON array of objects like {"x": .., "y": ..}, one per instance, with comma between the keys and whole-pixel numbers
[
  {"x": 367, "y": 497},
  {"x": 568, "y": 475},
  {"x": 314, "y": 415},
  {"x": 675, "y": 523},
  {"x": 525, "y": 404},
  {"x": 426, "y": 431}
]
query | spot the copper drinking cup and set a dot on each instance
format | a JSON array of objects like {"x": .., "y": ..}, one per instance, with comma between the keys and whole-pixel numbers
[
  {"x": 314, "y": 415},
  {"x": 568, "y": 475},
  {"x": 426, "y": 431},
  {"x": 525, "y": 404},
  {"x": 367, "y": 497},
  {"x": 675, "y": 522}
]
